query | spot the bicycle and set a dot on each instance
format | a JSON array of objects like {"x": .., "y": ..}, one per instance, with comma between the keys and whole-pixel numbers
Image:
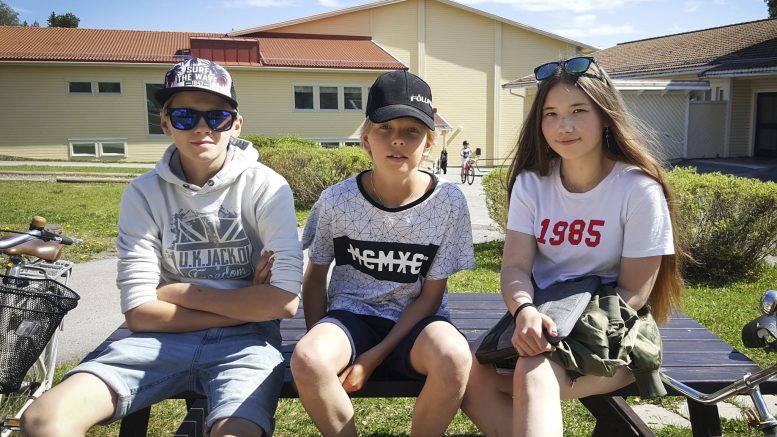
[
  {"x": 34, "y": 298},
  {"x": 468, "y": 171},
  {"x": 759, "y": 333}
]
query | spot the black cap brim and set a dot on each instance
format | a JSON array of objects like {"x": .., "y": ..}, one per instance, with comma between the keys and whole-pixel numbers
[
  {"x": 164, "y": 94},
  {"x": 391, "y": 112}
]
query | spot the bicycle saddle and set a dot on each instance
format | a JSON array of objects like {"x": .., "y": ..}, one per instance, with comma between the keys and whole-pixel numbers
[{"x": 45, "y": 250}]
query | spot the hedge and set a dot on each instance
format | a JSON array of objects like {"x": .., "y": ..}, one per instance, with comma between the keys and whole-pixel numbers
[{"x": 308, "y": 167}]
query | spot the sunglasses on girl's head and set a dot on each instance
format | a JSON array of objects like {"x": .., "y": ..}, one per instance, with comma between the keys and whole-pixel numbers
[
  {"x": 219, "y": 120},
  {"x": 574, "y": 66}
]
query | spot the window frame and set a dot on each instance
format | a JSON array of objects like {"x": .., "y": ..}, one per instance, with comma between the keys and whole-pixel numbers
[
  {"x": 108, "y": 93},
  {"x": 364, "y": 94},
  {"x": 80, "y": 93},
  {"x": 338, "y": 99},
  {"x": 316, "y": 87},
  {"x": 98, "y": 147},
  {"x": 313, "y": 96},
  {"x": 148, "y": 113},
  {"x": 94, "y": 87}
]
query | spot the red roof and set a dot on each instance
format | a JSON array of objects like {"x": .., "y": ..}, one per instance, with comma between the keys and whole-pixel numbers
[
  {"x": 744, "y": 48},
  {"x": 139, "y": 46},
  {"x": 298, "y": 50}
]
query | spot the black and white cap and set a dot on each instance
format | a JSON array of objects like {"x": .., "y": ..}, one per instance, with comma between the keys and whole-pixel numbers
[
  {"x": 197, "y": 74},
  {"x": 400, "y": 94}
]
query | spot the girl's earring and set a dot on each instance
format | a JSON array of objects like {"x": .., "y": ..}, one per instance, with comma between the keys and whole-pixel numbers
[{"x": 607, "y": 138}]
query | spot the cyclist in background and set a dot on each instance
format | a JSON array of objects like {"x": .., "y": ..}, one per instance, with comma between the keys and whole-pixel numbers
[
  {"x": 202, "y": 300},
  {"x": 466, "y": 156}
]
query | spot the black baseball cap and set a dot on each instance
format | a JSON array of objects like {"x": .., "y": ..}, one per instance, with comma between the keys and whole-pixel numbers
[
  {"x": 197, "y": 74},
  {"x": 400, "y": 94}
]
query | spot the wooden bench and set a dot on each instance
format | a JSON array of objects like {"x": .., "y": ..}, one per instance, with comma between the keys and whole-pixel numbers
[{"x": 692, "y": 355}]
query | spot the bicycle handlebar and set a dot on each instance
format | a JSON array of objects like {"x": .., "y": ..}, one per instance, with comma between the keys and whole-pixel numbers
[{"x": 37, "y": 230}]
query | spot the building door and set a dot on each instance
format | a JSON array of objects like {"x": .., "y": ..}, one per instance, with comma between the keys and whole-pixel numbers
[{"x": 766, "y": 125}]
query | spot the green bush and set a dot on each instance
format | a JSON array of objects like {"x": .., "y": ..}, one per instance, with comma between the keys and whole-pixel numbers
[
  {"x": 495, "y": 187},
  {"x": 262, "y": 141},
  {"x": 727, "y": 224},
  {"x": 310, "y": 170}
]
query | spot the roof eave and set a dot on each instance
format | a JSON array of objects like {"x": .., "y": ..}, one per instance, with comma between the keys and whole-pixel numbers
[
  {"x": 312, "y": 17},
  {"x": 749, "y": 72},
  {"x": 580, "y": 45},
  {"x": 638, "y": 85}
]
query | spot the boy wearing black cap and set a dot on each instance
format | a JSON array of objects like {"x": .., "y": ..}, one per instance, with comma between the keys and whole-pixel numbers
[
  {"x": 209, "y": 261},
  {"x": 395, "y": 233}
]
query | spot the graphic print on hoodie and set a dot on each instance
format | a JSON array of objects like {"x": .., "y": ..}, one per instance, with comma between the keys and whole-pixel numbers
[{"x": 210, "y": 246}]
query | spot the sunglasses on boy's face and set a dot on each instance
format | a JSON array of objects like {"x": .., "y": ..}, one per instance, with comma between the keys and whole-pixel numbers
[
  {"x": 574, "y": 66},
  {"x": 219, "y": 120}
]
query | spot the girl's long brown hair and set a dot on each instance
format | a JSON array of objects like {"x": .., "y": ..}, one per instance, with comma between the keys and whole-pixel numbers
[{"x": 629, "y": 142}]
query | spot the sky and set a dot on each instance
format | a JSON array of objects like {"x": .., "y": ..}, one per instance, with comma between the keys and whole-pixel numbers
[{"x": 599, "y": 23}]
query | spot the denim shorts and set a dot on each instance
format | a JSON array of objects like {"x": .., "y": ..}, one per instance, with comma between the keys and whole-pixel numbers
[
  {"x": 239, "y": 369},
  {"x": 364, "y": 332}
]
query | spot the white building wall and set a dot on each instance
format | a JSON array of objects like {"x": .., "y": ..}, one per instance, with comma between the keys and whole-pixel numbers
[{"x": 663, "y": 114}]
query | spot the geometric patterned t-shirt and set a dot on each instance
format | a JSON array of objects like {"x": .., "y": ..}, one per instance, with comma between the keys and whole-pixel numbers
[{"x": 383, "y": 255}]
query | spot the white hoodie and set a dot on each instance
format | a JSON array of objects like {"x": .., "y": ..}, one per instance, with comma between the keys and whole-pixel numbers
[{"x": 173, "y": 231}]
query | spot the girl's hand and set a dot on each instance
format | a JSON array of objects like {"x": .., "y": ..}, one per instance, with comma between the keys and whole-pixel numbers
[
  {"x": 528, "y": 339},
  {"x": 356, "y": 375},
  {"x": 263, "y": 272}
]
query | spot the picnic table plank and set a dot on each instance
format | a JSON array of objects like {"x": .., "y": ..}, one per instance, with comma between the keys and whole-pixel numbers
[{"x": 692, "y": 355}]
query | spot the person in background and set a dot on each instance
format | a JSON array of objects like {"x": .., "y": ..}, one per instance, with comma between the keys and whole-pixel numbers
[
  {"x": 586, "y": 198},
  {"x": 444, "y": 160},
  {"x": 209, "y": 261},
  {"x": 466, "y": 155},
  {"x": 395, "y": 234}
]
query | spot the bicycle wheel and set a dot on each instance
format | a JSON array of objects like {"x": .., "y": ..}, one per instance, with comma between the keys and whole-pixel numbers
[
  {"x": 13, "y": 404},
  {"x": 471, "y": 175}
]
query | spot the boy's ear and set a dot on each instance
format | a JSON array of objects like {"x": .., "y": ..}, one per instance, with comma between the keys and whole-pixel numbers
[
  {"x": 366, "y": 145},
  {"x": 164, "y": 123},
  {"x": 237, "y": 127}
]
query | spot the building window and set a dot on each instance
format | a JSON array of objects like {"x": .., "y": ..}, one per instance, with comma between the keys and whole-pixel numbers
[
  {"x": 329, "y": 144},
  {"x": 97, "y": 148},
  {"x": 153, "y": 109},
  {"x": 80, "y": 87},
  {"x": 113, "y": 149},
  {"x": 303, "y": 97},
  {"x": 352, "y": 97},
  {"x": 109, "y": 87},
  {"x": 83, "y": 149},
  {"x": 353, "y": 143},
  {"x": 327, "y": 96}
]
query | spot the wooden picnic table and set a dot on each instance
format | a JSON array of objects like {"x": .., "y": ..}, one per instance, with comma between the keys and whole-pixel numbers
[{"x": 692, "y": 355}]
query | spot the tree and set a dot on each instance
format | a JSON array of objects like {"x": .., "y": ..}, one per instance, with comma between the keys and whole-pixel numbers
[
  {"x": 772, "y": 5},
  {"x": 65, "y": 20},
  {"x": 8, "y": 16}
]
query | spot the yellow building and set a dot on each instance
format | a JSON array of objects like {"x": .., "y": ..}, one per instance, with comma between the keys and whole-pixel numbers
[{"x": 86, "y": 93}]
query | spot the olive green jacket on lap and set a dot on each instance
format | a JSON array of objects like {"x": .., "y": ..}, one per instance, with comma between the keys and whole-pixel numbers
[{"x": 611, "y": 335}]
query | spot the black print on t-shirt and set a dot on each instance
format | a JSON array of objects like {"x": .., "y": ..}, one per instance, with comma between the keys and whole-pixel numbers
[{"x": 397, "y": 262}]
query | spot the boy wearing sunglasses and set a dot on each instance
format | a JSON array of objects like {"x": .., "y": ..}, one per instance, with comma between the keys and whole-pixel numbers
[{"x": 209, "y": 261}]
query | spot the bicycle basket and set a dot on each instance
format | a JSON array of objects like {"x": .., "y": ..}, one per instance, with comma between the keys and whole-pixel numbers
[{"x": 30, "y": 312}]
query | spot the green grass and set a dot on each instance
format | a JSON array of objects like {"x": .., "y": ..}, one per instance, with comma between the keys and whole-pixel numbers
[
  {"x": 45, "y": 169},
  {"x": 90, "y": 212},
  {"x": 86, "y": 211}
]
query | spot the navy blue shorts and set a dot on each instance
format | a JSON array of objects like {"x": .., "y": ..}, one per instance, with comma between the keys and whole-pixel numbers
[{"x": 364, "y": 332}]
